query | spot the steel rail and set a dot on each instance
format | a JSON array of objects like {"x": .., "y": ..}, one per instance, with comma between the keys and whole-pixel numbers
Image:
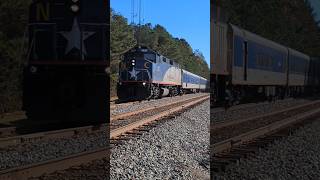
[
  {"x": 256, "y": 133},
  {"x": 133, "y": 126},
  {"x": 64, "y": 133},
  {"x": 50, "y": 166},
  {"x": 220, "y": 125}
]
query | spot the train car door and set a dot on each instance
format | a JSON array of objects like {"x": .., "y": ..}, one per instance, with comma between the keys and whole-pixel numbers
[
  {"x": 245, "y": 59},
  {"x": 287, "y": 69}
]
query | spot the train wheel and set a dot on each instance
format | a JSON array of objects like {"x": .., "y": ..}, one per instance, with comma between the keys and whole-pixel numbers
[
  {"x": 155, "y": 91},
  {"x": 181, "y": 91}
]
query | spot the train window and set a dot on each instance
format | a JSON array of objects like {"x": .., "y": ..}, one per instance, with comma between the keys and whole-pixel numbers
[
  {"x": 171, "y": 62},
  {"x": 158, "y": 58},
  {"x": 164, "y": 59},
  {"x": 270, "y": 62},
  {"x": 150, "y": 57},
  {"x": 129, "y": 56},
  {"x": 259, "y": 60}
]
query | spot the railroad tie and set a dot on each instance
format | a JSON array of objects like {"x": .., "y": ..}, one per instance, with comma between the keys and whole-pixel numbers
[{"x": 133, "y": 134}]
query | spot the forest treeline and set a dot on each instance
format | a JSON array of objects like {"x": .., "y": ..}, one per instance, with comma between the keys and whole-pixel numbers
[
  {"x": 288, "y": 22},
  {"x": 125, "y": 36},
  {"x": 13, "y": 44}
]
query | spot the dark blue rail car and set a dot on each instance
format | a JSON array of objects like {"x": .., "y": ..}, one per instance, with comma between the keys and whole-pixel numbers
[{"x": 145, "y": 74}]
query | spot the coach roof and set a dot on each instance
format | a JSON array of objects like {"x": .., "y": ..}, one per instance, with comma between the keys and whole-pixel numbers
[{"x": 256, "y": 38}]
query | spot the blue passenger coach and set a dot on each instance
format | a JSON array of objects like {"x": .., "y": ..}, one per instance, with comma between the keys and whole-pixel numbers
[
  {"x": 255, "y": 67},
  {"x": 192, "y": 82}
]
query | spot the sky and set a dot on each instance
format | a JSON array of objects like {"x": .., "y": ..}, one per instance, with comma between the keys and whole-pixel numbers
[
  {"x": 316, "y": 6},
  {"x": 187, "y": 19}
]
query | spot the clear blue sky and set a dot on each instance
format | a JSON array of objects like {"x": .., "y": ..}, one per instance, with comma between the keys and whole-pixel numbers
[
  {"x": 316, "y": 6},
  {"x": 188, "y": 19}
]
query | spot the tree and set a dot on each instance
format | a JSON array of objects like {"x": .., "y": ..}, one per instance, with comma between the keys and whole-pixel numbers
[
  {"x": 13, "y": 28},
  {"x": 288, "y": 22},
  {"x": 122, "y": 39}
]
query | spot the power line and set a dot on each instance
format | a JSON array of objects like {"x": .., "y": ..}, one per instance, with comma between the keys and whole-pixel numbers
[
  {"x": 132, "y": 11},
  {"x": 139, "y": 25},
  {"x": 139, "y": 12}
]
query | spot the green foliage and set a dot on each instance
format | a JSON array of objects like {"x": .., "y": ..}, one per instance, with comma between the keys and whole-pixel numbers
[
  {"x": 13, "y": 24},
  {"x": 156, "y": 38},
  {"x": 122, "y": 39},
  {"x": 288, "y": 22}
]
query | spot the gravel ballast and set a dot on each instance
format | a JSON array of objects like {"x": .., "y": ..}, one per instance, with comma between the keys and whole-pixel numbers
[
  {"x": 294, "y": 157},
  {"x": 96, "y": 170},
  {"x": 175, "y": 149},
  {"x": 25, "y": 154}
]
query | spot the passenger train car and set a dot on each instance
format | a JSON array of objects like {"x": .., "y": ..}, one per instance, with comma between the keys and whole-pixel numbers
[
  {"x": 252, "y": 67},
  {"x": 192, "y": 82},
  {"x": 145, "y": 74},
  {"x": 65, "y": 77}
]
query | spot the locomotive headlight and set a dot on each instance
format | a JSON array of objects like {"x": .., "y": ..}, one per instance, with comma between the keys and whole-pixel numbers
[
  {"x": 144, "y": 83},
  {"x": 133, "y": 64},
  {"x": 33, "y": 69},
  {"x": 74, "y": 8}
]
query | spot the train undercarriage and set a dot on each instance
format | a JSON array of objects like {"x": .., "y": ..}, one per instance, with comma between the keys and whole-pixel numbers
[
  {"x": 140, "y": 91},
  {"x": 222, "y": 90}
]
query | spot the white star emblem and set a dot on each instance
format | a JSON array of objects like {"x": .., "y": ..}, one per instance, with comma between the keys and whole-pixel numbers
[
  {"x": 134, "y": 73},
  {"x": 74, "y": 38}
]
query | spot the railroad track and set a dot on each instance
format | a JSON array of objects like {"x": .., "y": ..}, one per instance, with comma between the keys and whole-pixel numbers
[
  {"x": 152, "y": 109},
  {"x": 136, "y": 125},
  {"x": 64, "y": 133},
  {"x": 231, "y": 141},
  {"x": 79, "y": 159},
  {"x": 49, "y": 166},
  {"x": 241, "y": 106},
  {"x": 135, "y": 122}
]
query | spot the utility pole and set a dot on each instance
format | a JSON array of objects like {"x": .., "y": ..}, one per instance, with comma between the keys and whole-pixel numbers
[
  {"x": 139, "y": 25},
  {"x": 139, "y": 12},
  {"x": 132, "y": 11}
]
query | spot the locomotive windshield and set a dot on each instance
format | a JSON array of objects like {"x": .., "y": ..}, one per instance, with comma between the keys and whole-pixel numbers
[
  {"x": 139, "y": 55},
  {"x": 130, "y": 56},
  {"x": 150, "y": 57}
]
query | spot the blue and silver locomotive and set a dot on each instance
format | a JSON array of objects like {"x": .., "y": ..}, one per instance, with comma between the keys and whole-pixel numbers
[
  {"x": 65, "y": 77},
  {"x": 145, "y": 74}
]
